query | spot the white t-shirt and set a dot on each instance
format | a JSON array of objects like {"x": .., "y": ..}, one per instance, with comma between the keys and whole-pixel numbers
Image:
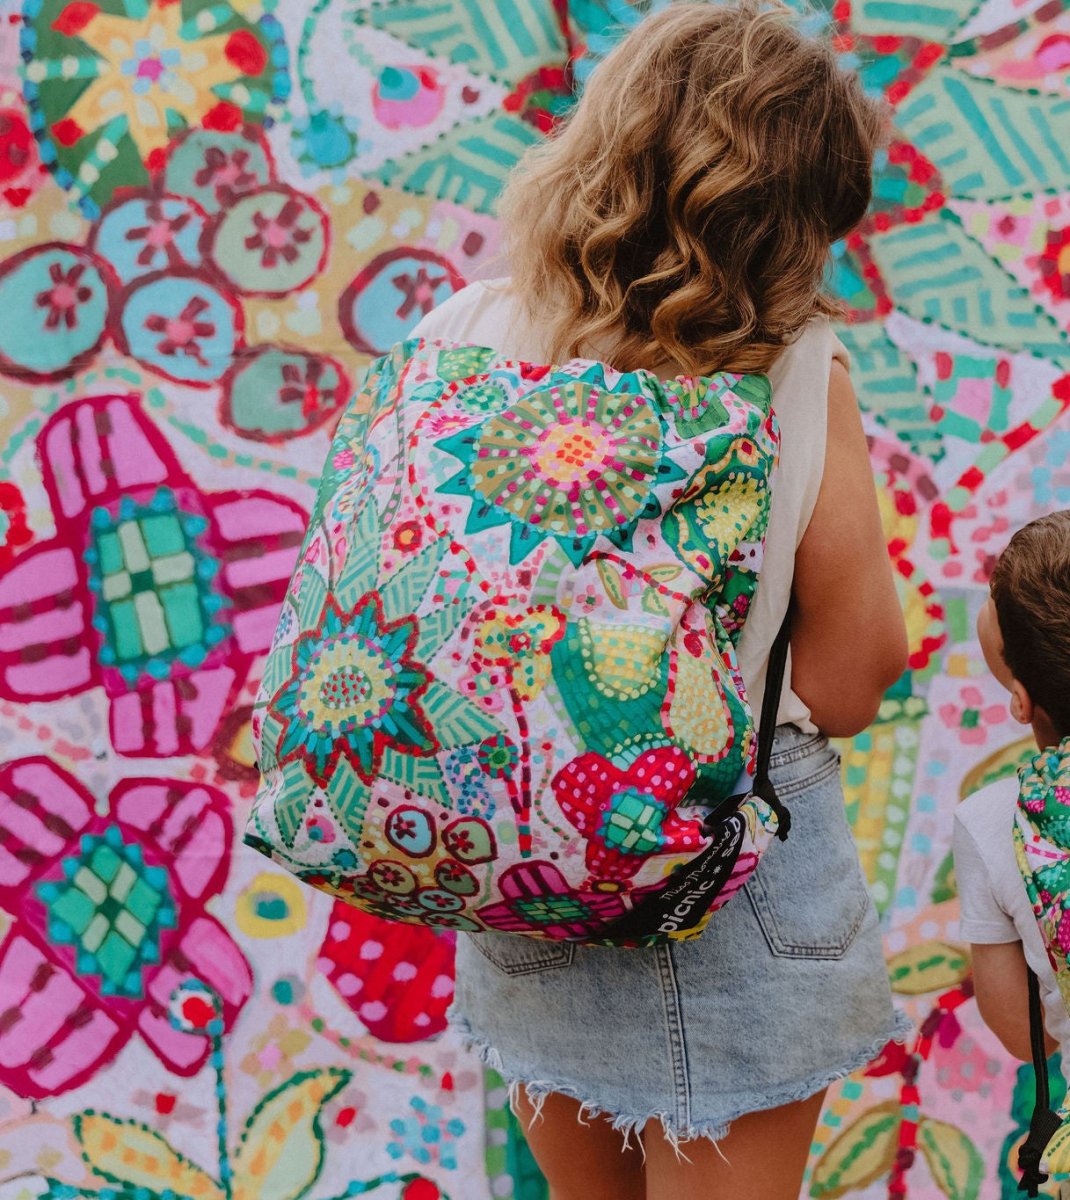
[
  {"x": 487, "y": 314},
  {"x": 995, "y": 908}
]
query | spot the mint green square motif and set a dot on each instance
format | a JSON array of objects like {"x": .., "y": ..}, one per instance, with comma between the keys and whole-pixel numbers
[
  {"x": 163, "y": 535},
  {"x": 106, "y": 863},
  {"x": 633, "y": 823},
  {"x": 110, "y": 552},
  {"x": 553, "y": 910},
  {"x": 181, "y": 605},
  {"x": 111, "y": 909},
  {"x": 156, "y": 600}
]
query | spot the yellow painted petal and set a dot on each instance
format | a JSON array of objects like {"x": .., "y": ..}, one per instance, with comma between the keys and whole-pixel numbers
[
  {"x": 1056, "y": 1157},
  {"x": 134, "y": 1154},
  {"x": 281, "y": 1152}
]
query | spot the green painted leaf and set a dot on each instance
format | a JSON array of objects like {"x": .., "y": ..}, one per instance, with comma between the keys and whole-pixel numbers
[
  {"x": 933, "y": 20},
  {"x": 437, "y": 627},
  {"x": 862, "y": 1153},
  {"x": 507, "y": 39},
  {"x": 988, "y": 141},
  {"x": 928, "y": 967},
  {"x": 270, "y": 731},
  {"x": 281, "y": 1151},
  {"x": 956, "y": 1165},
  {"x": 454, "y": 718},
  {"x": 467, "y": 165},
  {"x": 664, "y": 572},
  {"x": 612, "y": 582},
  {"x": 277, "y": 670},
  {"x": 944, "y": 886},
  {"x": 936, "y": 272},
  {"x": 887, "y": 383},
  {"x": 423, "y": 775},
  {"x": 127, "y": 1152},
  {"x": 403, "y": 592},
  {"x": 654, "y": 604},
  {"x": 292, "y": 802},
  {"x": 361, "y": 568},
  {"x": 311, "y": 597},
  {"x": 349, "y": 797},
  {"x": 548, "y": 583}
]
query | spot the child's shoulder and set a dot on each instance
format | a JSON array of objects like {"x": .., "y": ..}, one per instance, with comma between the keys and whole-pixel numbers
[{"x": 988, "y": 814}]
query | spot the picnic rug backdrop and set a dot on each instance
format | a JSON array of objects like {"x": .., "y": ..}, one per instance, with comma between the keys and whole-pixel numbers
[{"x": 212, "y": 213}]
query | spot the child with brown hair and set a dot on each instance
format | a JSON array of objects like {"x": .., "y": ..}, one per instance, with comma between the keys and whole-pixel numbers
[{"x": 1024, "y": 631}]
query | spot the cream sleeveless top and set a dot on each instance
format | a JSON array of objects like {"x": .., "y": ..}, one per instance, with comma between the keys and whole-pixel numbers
[{"x": 487, "y": 314}]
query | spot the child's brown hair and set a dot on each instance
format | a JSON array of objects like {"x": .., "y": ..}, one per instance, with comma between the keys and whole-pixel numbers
[{"x": 1031, "y": 593}]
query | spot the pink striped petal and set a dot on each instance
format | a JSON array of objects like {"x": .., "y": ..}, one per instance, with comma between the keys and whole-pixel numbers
[
  {"x": 43, "y": 628},
  {"x": 95, "y": 450},
  {"x": 53, "y": 1036},
  {"x": 42, "y": 812},
  {"x": 187, "y": 824}
]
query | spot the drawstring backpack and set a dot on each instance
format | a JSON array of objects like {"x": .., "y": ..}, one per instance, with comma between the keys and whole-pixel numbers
[
  {"x": 1042, "y": 847},
  {"x": 503, "y": 693}
]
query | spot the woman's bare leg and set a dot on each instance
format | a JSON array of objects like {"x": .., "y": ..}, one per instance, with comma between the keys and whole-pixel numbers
[
  {"x": 581, "y": 1161},
  {"x": 764, "y": 1156}
]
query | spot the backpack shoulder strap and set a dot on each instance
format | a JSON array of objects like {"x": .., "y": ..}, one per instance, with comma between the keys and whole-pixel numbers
[
  {"x": 774, "y": 687},
  {"x": 1044, "y": 1123}
]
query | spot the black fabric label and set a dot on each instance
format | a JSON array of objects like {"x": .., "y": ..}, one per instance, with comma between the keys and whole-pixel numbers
[{"x": 687, "y": 894}]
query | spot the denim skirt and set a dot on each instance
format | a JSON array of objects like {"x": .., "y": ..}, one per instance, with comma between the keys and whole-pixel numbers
[{"x": 784, "y": 993}]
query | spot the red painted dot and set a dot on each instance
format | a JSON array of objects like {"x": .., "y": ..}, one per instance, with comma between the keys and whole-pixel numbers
[
  {"x": 199, "y": 1013},
  {"x": 421, "y": 1189}
]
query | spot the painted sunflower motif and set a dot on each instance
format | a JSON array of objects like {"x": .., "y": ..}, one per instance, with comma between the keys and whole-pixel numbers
[
  {"x": 354, "y": 690},
  {"x": 568, "y": 462}
]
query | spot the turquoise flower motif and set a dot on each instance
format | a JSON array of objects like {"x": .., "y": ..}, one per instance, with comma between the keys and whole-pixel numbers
[
  {"x": 426, "y": 1135},
  {"x": 354, "y": 690},
  {"x": 325, "y": 141}
]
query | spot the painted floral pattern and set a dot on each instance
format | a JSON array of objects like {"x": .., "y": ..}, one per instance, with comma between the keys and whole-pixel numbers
[
  {"x": 111, "y": 921},
  {"x": 356, "y": 688},
  {"x": 569, "y": 462},
  {"x": 446, "y": 685},
  {"x": 146, "y": 589},
  {"x": 391, "y": 127}
]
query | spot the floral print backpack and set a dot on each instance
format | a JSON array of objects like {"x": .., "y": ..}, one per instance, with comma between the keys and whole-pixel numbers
[
  {"x": 1042, "y": 846},
  {"x": 503, "y": 693}
]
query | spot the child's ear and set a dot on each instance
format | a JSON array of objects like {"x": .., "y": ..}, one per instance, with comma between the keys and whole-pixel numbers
[{"x": 1022, "y": 707}]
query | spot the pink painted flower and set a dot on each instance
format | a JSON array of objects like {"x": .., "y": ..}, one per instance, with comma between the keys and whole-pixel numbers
[
  {"x": 537, "y": 898},
  {"x": 110, "y": 924},
  {"x": 159, "y": 593},
  {"x": 486, "y": 683},
  {"x": 627, "y": 816},
  {"x": 971, "y": 717}
]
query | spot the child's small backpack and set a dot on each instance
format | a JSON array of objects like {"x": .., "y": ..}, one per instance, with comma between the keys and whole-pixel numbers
[
  {"x": 1042, "y": 846},
  {"x": 503, "y": 693}
]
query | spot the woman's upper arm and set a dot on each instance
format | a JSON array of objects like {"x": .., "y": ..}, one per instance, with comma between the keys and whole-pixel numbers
[{"x": 848, "y": 640}]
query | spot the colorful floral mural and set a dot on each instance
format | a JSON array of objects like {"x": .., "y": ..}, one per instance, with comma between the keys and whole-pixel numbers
[{"x": 212, "y": 214}]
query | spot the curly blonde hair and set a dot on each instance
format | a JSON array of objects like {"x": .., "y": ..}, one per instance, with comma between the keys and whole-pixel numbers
[{"x": 684, "y": 212}]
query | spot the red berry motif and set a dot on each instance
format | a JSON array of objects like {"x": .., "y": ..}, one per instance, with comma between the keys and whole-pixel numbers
[{"x": 398, "y": 979}]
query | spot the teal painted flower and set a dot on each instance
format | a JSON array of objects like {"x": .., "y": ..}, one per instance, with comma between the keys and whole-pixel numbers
[
  {"x": 354, "y": 690},
  {"x": 569, "y": 462}
]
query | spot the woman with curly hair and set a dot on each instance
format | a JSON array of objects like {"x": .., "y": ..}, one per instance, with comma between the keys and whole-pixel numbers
[{"x": 681, "y": 221}]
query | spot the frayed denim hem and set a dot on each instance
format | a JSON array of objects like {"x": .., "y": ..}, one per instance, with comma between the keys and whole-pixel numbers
[{"x": 627, "y": 1124}]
